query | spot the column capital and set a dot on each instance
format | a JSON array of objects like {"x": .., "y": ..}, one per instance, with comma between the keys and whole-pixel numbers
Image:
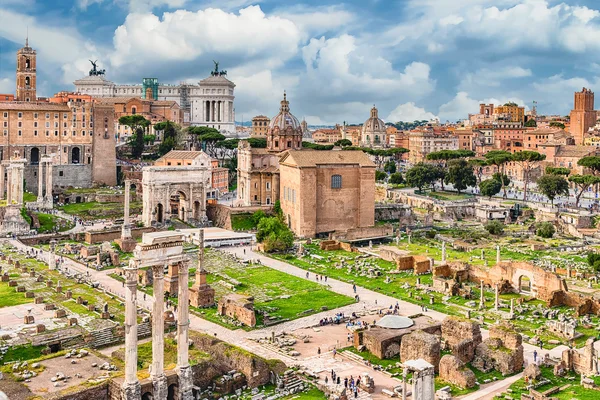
[{"x": 158, "y": 271}]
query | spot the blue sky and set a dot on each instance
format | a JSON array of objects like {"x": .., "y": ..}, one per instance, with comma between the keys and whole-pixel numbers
[{"x": 414, "y": 59}]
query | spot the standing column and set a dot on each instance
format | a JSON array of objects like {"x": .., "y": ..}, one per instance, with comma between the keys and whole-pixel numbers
[
  {"x": 443, "y": 252},
  {"x": 126, "y": 229},
  {"x": 157, "y": 373},
  {"x": 212, "y": 111},
  {"x": 481, "y": 297},
  {"x": 184, "y": 371},
  {"x": 497, "y": 254},
  {"x": 496, "y": 299},
  {"x": 40, "y": 196},
  {"x": 404, "y": 383},
  {"x": 9, "y": 187},
  {"x": 49, "y": 184},
  {"x": 2, "y": 181},
  {"x": 131, "y": 385}
]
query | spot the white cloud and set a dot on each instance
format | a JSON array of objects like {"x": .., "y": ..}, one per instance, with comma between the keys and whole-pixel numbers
[
  {"x": 7, "y": 86},
  {"x": 184, "y": 36},
  {"x": 409, "y": 112},
  {"x": 492, "y": 77},
  {"x": 462, "y": 105},
  {"x": 136, "y": 5},
  {"x": 316, "y": 20}
]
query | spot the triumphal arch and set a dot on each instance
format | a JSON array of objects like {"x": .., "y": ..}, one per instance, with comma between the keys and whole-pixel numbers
[{"x": 176, "y": 191}]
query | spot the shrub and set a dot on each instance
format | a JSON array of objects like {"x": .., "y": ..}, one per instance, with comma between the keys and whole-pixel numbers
[
  {"x": 396, "y": 178},
  {"x": 494, "y": 227},
  {"x": 380, "y": 175},
  {"x": 430, "y": 234},
  {"x": 593, "y": 260},
  {"x": 545, "y": 230}
]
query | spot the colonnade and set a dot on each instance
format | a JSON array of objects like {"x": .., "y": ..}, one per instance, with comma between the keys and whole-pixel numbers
[
  {"x": 217, "y": 111},
  {"x": 45, "y": 197},
  {"x": 13, "y": 185}
]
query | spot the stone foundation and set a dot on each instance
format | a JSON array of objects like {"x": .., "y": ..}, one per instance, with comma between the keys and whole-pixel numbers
[{"x": 453, "y": 371}]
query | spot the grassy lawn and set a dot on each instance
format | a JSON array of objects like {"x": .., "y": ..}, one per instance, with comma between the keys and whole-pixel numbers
[
  {"x": 145, "y": 355},
  {"x": 242, "y": 222},
  {"x": 48, "y": 222},
  {"x": 22, "y": 353},
  {"x": 575, "y": 391},
  {"x": 95, "y": 210},
  {"x": 9, "y": 296},
  {"x": 443, "y": 195}
]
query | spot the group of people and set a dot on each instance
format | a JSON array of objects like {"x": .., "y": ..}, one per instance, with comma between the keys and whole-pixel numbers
[
  {"x": 318, "y": 278},
  {"x": 339, "y": 317},
  {"x": 349, "y": 383}
]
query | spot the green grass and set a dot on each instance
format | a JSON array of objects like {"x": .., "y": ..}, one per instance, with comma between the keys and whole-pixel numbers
[
  {"x": 170, "y": 348},
  {"x": 29, "y": 197},
  {"x": 449, "y": 196},
  {"x": 9, "y": 296},
  {"x": 22, "y": 353},
  {"x": 242, "y": 222},
  {"x": 388, "y": 364},
  {"x": 575, "y": 391},
  {"x": 95, "y": 210},
  {"x": 48, "y": 222}
]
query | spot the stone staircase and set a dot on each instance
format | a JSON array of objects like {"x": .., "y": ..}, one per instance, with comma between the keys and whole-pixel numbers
[
  {"x": 144, "y": 330},
  {"x": 291, "y": 382},
  {"x": 352, "y": 356},
  {"x": 106, "y": 337}
]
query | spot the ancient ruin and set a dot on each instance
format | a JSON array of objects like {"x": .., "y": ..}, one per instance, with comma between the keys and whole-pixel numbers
[{"x": 201, "y": 294}]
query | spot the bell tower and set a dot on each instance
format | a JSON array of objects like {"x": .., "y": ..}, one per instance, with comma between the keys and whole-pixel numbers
[{"x": 26, "y": 75}]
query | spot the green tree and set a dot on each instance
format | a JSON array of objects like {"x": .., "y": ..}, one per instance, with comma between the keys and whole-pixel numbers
[
  {"x": 138, "y": 125},
  {"x": 499, "y": 158},
  {"x": 443, "y": 156},
  {"x": 422, "y": 175},
  {"x": 511, "y": 104},
  {"x": 316, "y": 146},
  {"x": 531, "y": 123},
  {"x": 277, "y": 208},
  {"x": 166, "y": 146},
  {"x": 257, "y": 216},
  {"x": 553, "y": 186},
  {"x": 380, "y": 175},
  {"x": 502, "y": 179},
  {"x": 494, "y": 227},
  {"x": 527, "y": 160},
  {"x": 557, "y": 170},
  {"x": 257, "y": 143},
  {"x": 557, "y": 124},
  {"x": 478, "y": 165},
  {"x": 396, "y": 178},
  {"x": 593, "y": 260},
  {"x": 390, "y": 167},
  {"x": 274, "y": 234},
  {"x": 545, "y": 230},
  {"x": 343, "y": 143},
  {"x": 583, "y": 183},
  {"x": 490, "y": 187},
  {"x": 149, "y": 139},
  {"x": 460, "y": 174},
  {"x": 590, "y": 162}
]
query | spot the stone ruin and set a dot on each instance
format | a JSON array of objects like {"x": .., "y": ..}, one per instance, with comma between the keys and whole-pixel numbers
[
  {"x": 582, "y": 361},
  {"x": 420, "y": 344},
  {"x": 454, "y": 371},
  {"x": 238, "y": 307},
  {"x": 404, "y": 261},
  {"x": 461, "y": 337},
  {"x": 502, "y": 351}
]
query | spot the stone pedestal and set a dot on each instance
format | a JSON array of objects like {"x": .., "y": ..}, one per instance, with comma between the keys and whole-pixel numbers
[
  {"x": 51, "y": 260},
  {"x": 28, "y": 319},
  {"x": 201, "y": 294},
  {"x": 131, "y": 390},
  {"x": 105, "y": 315},
  {"x": 172, "y": 279},
  {"x": 126, "y": 244}
]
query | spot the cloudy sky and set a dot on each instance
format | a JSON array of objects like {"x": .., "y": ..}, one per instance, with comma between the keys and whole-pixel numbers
[{"x": 414, "y": 59}]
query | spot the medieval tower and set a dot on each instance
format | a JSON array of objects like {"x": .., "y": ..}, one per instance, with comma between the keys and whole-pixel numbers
[{"x": 26, "y": 75}]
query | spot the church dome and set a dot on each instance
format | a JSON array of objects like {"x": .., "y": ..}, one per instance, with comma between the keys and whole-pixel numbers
[
  {"x": 374, "y": 130},
  {"x": 285, "y": 118}
]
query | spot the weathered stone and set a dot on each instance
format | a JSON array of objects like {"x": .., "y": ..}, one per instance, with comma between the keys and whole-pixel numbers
[
  {"x": 422, "y": 345},
  {"x": 532, "y": 371},
  {"x": 59, "y": 313},
  {"x": 462, "y": 337},
  {"x": 494, "y": 353},
  {"x": 453, "y": 371}
]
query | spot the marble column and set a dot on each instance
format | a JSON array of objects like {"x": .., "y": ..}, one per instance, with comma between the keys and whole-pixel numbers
[
  {"x": 512, "y": 306},
  {"x": 131, "y": 385},
  {"x": 496, "y": 298},
  {"x": 2, "y": 186},
  {"x": 40, "y": 196},
  {"x": 443, "y": 252},
  {"x": 481, "y": 297},
  {"x": 404, "y": 384},
  {"x": 157, "y": 373},
  {"x": 126, "y": 229},
  {"x": 49, "y": 184},
  {"x": 8, "y": 185},
  {"x": 212, "y": 111},
  {"x": 184, "y": 371},
  {"x": 51, "y": 260},
  {"x": 497, "y": 254}
]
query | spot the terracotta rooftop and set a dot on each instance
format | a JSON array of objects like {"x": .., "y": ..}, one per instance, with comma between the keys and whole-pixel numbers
[
  {"x": 180, "y": 155},
  {"x": 37, "y": 106},
  {"x": 312, "y": 158},
  {"x": 575, "y": 151}
]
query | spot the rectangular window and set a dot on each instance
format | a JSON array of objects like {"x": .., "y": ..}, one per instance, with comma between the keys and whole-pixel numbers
[
  {"x": 35, "y": 115},
  {"x": 47, "y": 115},
  {"x": 20, "y": 132},
  {"x": 56, "y": 124},
  {"x": 20, "y": 124},
  {"x": 47, "y": 133},
  {"x": 336, "y": 181},
  {"x": 268, "y": 185},
  {"x": 65, "y": 116},
  {"x": 35, "y": 133},
  {"x": 5, "y": 115},
  {"x": 60, "y": 173},
  {"x": 56, "y": 116},
  {"x": 35, "y": 124},
  {"x": 47, "y": 124},
  {"x": 6, "y": 124},
  {"x": 55, "y": 133},
  {"x": 74, "y": 133},
  {"x": 5, "y": 132}
]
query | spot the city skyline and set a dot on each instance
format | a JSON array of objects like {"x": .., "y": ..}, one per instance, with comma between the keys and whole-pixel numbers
[{"x": 413, "y": 59}]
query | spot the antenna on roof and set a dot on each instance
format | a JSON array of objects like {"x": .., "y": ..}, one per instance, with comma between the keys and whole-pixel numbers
[{"x": 27, "y": 37}]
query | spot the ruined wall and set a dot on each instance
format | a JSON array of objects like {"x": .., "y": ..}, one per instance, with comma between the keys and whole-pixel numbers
[
  {"x": 362, "y": 233},
  {"x": 583, "y": 305},
  {"x": 502, "y": 351},
  {"x": 82, "y": 392},
  {"x": 453, "y": 371},
  {"x": 461, "y": 337},
  {"x": 113, "y": 234},
  {"x": 421, "y": 345}
]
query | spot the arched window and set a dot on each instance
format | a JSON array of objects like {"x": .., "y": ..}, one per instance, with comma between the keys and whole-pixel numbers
[
  {"x": 336, "y": 181},
  {"x": 75, "y": 154},
  {"x": 35, "y": 156},
  {"x": 27, "y": 63},
  {"x": 134, "y": 110},
  {"x": 27, "y": 81}
]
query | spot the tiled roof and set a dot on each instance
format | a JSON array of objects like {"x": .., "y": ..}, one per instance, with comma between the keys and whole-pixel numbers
[
  {"x": 116, "y": 100},
  {"x": 312, "y": 158},
  {"x": 180, "y": 155},
  {"x": 574, "y": 151},
  {"x": 37, "y": 106}
]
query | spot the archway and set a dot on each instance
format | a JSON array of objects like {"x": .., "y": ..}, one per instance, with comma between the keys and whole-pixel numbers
[
  {"x": 197, "y": 210},
  {"x": 173, "y": 392},
  {"x": 177, "y": 205},
  {"x": 524, "y": 284},
  {"x": 159, "y": 213},
  {"x": 75, "y": 155},
  {"x": 147, "y": 396},
  {"x": 35, "y": 156}
]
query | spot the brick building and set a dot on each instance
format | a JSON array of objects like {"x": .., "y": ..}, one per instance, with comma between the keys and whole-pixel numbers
[
  {"x": 583, "y": 116},
  {"x": 260, "y": 125},
  {"x": 327, "y": 136},
  {"x": 327, "y": 191},
  {"x": 427, "y": 140}
]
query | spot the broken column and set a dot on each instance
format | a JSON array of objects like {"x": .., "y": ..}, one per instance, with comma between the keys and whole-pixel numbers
[
  {"x": 157, "y": 373},
  {"x": 481, "y": 298},
  {"x": 40, "y": 195},
  {"x": 497, "y": 254},
  {"x": 48, "y": 199},
  {"x": 496, "y": 298},
  {"x": 443, "y": 252},
  {"x": 201, "y": 294},
  {"x": 126, "y": 243},
  {"x": 2, "y": 185},
  {"x": 423, "y": 387},
  {"x": 131, "y": 386},
  {"x": 184, "y": 371},
  {"x": 512, "y": 306}
]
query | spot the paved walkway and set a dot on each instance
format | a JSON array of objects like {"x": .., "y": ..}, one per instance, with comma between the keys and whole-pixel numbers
[{"x": 369, "y": 300}]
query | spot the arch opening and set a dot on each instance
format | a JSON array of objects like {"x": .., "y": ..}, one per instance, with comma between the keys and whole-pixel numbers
[
  {"x": 35, "y": 156},
  {"x": 524, "y": 284},
  {"x": 75, "y": 155}
]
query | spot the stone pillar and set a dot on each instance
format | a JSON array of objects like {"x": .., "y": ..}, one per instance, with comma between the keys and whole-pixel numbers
[
  {"x": 512, "y": 306},
  {"x": 482, "y": 254},
  {"x": 568, "y": 271},
  {"x": 404, "y": 384},
  {"x": 184, "y": 371},
  {"x": 48, "y": 197},
  {"x": 481, "y": 297},
  {"x": 131, "y": 385},
  {"x": 157, "y": 373},
  {"x": 496, "y": 298},
  {"x": 40, "y": 196},
  {"x": 443, "y": 252},
  {"x": 8, "y": 184},
  {"x": 497, "y": 254},
  {"x": 126, "y": 230},
  {"x": 51, "y": 260},
  {"x": 2, "y": 186}
]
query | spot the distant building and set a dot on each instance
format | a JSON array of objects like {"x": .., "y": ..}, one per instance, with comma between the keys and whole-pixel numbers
[
  {"x": 427, "y": 140},
  {"x": 7, "y": 97},
  {"x": 583, "y": 115},
  {"x": 327, "y": 136},
  {"x": 260, "y": 126},
  {"x": 374, "y": 133}
]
